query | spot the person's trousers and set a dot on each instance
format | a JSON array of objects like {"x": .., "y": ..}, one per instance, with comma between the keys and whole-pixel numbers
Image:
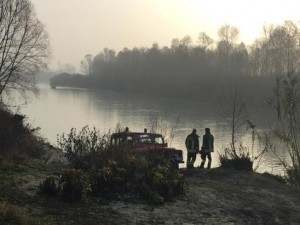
[
  {"x": 191, "y": 158},
  {"x": 203, "y": 157}
]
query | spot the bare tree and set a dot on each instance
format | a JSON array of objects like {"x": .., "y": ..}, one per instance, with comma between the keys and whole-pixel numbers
[
  {"x": 86, "y": 65},
  {"x": 228, "y": 36},
  {"x": 287, "y": 104},
  {"x": 233, "y": 108},
  {"x": 24, "y": 46},
  {"x": 204, "y": 40},
  {"x": 278, "y": 51}
]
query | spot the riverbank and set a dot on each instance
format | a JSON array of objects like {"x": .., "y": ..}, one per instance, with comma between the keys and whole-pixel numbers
[{"x": 215, "y": 196}]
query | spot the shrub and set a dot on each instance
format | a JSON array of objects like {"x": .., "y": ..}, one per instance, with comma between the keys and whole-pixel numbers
[
  {"x": 109, "y": 181},
  {"x": 17, "y": 139},
  {"x": 49, "y": 186},
  {"x": 238, "y": 163},
  {"x": 71, "y": 184},
  {"x": 13, "y": 214},
  {"x": 83, "y": 148},
  {"x": 293, "y": 175},
  {"x": 114, "y": 171},
  {"x": 286, "y": 101},
  {"x": 157, "y": 181}
]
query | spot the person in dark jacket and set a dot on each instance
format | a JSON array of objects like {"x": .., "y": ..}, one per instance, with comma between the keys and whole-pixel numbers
[
  {"x": 192, "y": 146},
  {"x": 207, "y": 148}
]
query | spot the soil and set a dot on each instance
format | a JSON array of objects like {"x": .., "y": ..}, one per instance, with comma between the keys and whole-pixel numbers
[{"x": 214, "y": 196}]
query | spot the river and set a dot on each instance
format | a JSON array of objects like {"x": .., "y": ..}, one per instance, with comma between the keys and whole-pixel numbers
[{"x": 56, "y": 111}]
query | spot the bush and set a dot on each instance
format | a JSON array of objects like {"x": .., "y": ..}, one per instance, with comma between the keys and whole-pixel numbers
[
  {"x": 238, "y": 163},
  {"x": 293, "y": 175},
  {"x": 71, "y": 184},
  {"x": 17, "y": 139},
  {"x": 240, "y": 160},
  {"x": 49, "y": 186},
  {"x": 157, "y": 181},
  {"x": 114, "y": 171},
  {"x": 13, "y": 214},
  {"x": 83, "y": 148},
  {"x": 109, "y": 181}
]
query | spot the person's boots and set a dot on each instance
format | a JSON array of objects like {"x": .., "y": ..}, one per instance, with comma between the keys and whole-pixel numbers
[
  {"x": 202, "y": 164},
  {"x": 208, "y": 165}
]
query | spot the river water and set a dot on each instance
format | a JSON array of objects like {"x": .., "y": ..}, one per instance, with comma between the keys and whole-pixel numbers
[{"x": 56, "y": 111}]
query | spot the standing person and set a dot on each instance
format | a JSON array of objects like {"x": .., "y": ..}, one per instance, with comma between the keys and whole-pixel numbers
[
  {"x": 192, "y": 146},
  {"x": 207, "y": 148}
]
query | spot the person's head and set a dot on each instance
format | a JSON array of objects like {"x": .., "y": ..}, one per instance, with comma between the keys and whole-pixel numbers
[
  {"x": 194, "y": 131},
  {"x": 207, "y": 130}
]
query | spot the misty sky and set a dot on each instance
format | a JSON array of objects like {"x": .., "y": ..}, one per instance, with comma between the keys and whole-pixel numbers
[{"x": 80, "y": 27}]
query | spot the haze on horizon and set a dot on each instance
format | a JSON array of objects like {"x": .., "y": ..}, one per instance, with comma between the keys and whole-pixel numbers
[{"x": 77, "y": 27}]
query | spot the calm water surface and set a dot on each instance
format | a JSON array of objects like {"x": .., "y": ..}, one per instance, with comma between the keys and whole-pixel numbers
[{"x": 58, "y": 110}]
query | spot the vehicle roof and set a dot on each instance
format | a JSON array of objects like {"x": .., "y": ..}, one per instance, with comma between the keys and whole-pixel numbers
[{"x": 138, "y": 133}]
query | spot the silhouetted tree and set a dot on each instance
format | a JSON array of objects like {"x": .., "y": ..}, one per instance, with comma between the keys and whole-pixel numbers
[
  {"x": 204, "y": 40},
  {"x": 228, "y": 36},
  {"x": 86, "y": 65},
  {"x": 24, "y": 46}
]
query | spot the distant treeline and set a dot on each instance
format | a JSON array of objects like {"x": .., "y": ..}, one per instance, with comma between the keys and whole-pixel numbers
[{"x": 195, "y": 70}]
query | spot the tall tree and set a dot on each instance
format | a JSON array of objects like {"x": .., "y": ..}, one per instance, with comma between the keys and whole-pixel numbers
[
  {"x": 86, "y": 65},
  {"x": 228, "y": 36},
  {"x": 204, "y": 40},
  {"x": 24, "y": 46},
  {"x": 278, "y": 52}
]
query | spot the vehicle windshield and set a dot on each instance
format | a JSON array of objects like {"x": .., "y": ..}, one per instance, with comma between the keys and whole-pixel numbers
[
  {"x": 137, "y": 138},
  {"x": 149, "y": 138}
]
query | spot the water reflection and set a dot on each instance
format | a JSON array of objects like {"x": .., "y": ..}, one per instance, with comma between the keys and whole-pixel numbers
[{"x": 58, "y": 110}]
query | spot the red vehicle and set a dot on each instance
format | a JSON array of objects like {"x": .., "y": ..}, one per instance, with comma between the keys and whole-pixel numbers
[{"x": 144, "y": 142}]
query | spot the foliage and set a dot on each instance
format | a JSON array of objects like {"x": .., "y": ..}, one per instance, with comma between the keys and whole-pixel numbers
[
  {"x": 197, "y": 70},
  {"x": 157, "y": 180},
  {"x": 240, "y": 157},
  {"x": 109, "y": 181},
  {"x": 158, "y": 124},
  {"x": 111, "y": 172},
  {"x": 13, "y": 214},
  {"x": 243, "y": 163},
  {"x": 49, "y": 186},
  {"x": 84, "y": 149},
  {"x": 24, "y": 47},
  {"x": 17, "y": 140},
  {"x": 71, "y": 184},
  {"x": 286, "y": 102},
  {"x": 293, "y": 175},
  {"x": 66, "y": 80}
]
